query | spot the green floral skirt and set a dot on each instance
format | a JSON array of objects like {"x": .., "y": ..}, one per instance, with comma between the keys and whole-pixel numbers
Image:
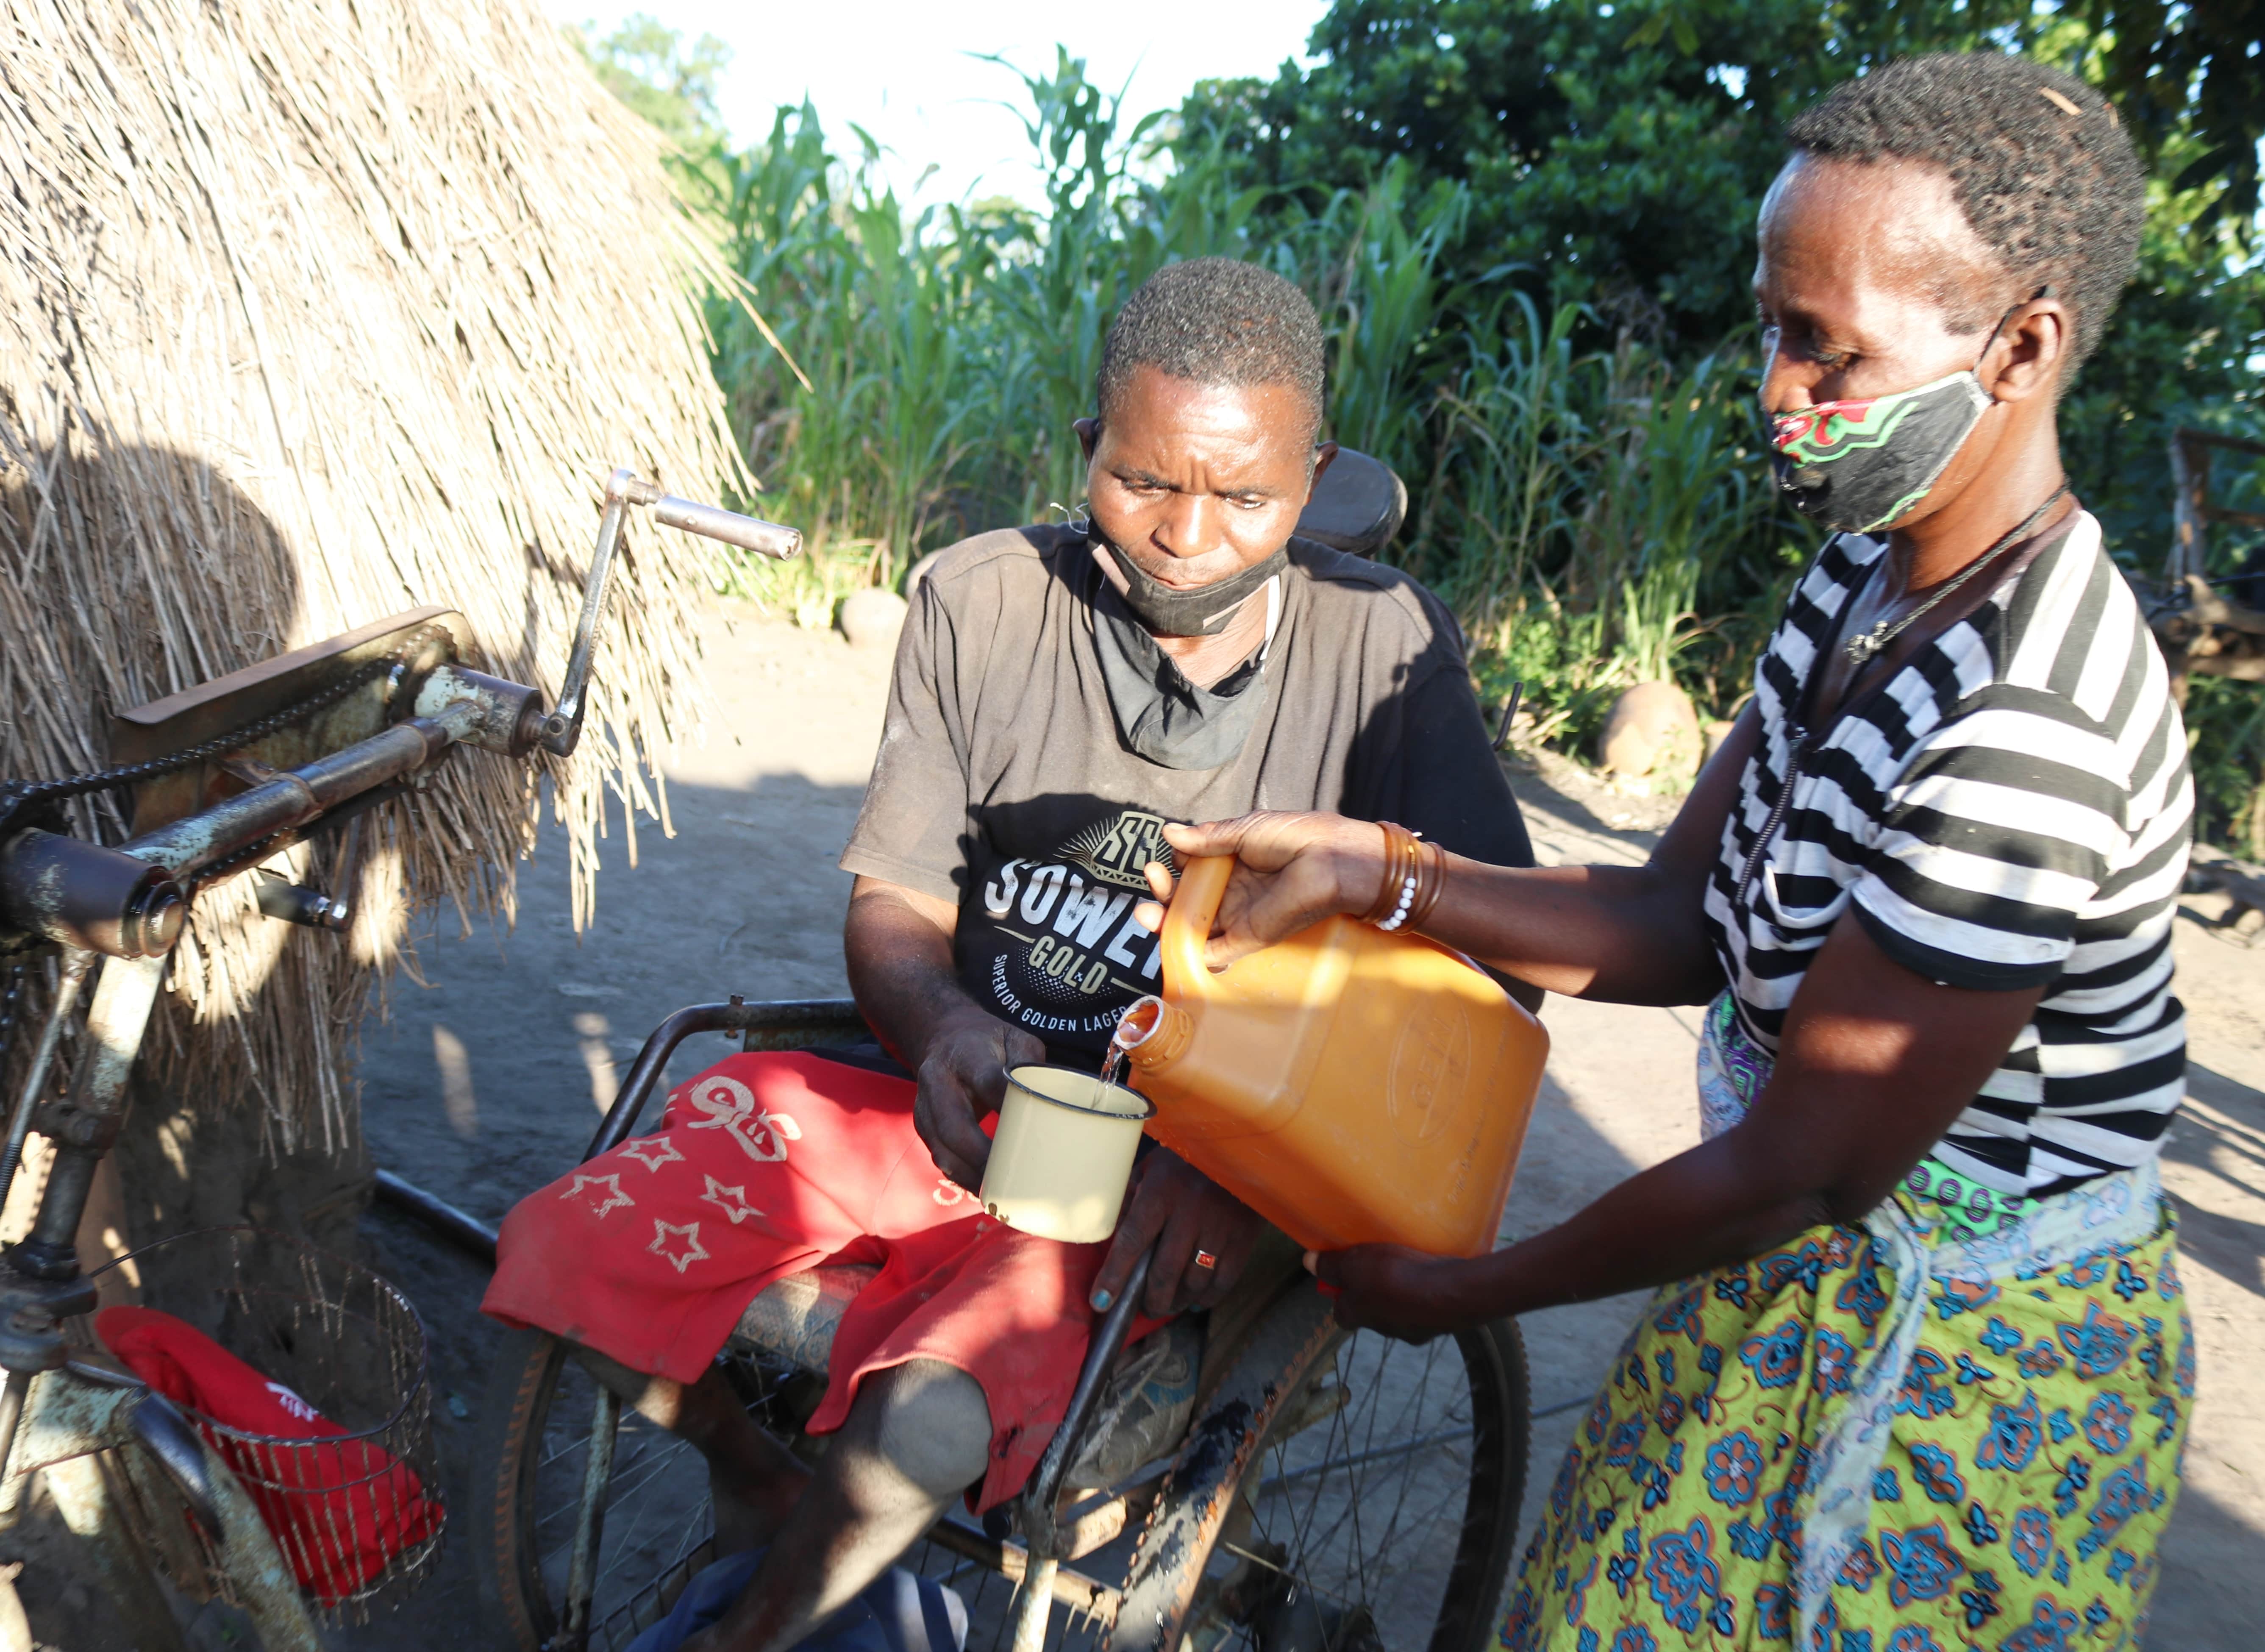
[{"x": 1914, "y": 1436}]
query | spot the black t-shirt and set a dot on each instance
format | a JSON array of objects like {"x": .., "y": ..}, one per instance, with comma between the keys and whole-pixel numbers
[{"x": 1004, "y": 784}]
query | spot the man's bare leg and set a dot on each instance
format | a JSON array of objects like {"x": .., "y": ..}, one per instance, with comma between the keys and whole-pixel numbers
[
  {"x": 918, "y": 1436},
  {"x": 753, "y": 1482}
]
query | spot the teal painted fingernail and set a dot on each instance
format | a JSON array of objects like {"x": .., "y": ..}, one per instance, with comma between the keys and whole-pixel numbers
[{"x": 1101, "y": 1301}]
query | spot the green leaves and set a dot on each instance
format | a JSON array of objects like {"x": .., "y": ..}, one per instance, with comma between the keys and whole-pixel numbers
[
  {"x": 1527, "y": 227},
  {"x": 661, "y": 77},
  {"x": 2194, "y": 72},
  {"x": 1668, "y": 20}
]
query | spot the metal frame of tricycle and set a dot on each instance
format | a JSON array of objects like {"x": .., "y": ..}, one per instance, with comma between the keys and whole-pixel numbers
[{"x": 129, "y": 904}]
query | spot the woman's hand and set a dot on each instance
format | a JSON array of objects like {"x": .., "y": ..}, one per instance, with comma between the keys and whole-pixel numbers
[
  {"x": 1292, "y": 870},
  {"x": 1401, "y": 1292}
]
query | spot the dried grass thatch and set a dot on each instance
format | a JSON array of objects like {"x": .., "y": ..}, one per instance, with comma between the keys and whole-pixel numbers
[{"x": 312, "y": 311}]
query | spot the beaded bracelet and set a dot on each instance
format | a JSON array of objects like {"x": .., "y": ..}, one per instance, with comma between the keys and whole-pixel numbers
[
  {"x": 1398, "y": 885},
  {"x": 1431, "y": 879},
  {"x": 1414, "y": 872}
]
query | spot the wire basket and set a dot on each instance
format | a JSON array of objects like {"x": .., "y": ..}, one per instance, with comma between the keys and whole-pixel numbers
[{"x": 358, "y": 1513}]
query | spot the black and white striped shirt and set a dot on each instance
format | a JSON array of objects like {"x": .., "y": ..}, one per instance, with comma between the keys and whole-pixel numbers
[{"x": 2013, "y": 810}]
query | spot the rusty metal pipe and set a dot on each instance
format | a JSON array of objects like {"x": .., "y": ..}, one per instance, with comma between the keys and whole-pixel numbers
[
  {"x": 84, "y": 1128},
  {"x": 76, "y": 963},
  {"x": 89, "y": 898},
  {"x": 710, "y": 521},
  {"x": 510, "y": 714},
  {"x": 187, "y": 846},
  {"x": 1041, "y": 1531},
  {"x": 12, "y": 1413},
  {"x": 562, "y": 729},
  {"x": 1087, "y": 1597}
]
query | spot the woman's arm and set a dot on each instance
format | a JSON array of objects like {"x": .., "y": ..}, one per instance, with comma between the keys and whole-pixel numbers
[
  {"x": 1874, "y": 1064},
  {"x": 1627, "y": 934}
]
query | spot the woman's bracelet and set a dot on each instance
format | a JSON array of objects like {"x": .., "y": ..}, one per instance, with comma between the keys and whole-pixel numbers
[
  {"x": 1398, "y": 887},
  {"x": 1414, "y": 873}
]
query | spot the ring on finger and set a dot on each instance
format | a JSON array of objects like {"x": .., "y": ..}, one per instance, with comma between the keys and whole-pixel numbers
[{"x": 1205, "y": 1260}]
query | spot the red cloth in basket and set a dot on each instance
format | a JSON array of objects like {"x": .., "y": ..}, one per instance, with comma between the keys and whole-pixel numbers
[{"x": 339, "y": 1512}]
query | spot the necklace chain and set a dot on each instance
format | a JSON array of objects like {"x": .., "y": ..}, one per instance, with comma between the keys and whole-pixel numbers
[{"x": 1866, "y": 646}]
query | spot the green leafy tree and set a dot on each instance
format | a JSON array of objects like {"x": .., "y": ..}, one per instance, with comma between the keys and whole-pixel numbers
[
  {"x": 1615, "y": 153},
  {"x": 660, "y": 77},
  {"x": 2191, "y": 75},
  {"x": 1613, "y": 157}
]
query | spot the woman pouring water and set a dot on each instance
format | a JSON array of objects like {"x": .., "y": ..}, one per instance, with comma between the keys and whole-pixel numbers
[{"x": 1919, "y": 1370}]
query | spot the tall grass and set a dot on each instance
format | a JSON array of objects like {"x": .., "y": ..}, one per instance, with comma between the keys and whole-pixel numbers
[{"x": 1586, "y": 506}]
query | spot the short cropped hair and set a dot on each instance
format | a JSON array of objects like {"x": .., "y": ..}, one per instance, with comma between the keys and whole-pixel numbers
[
  {"x": 2038, "y": 161},
  {"x": 1216, "y": 321}
]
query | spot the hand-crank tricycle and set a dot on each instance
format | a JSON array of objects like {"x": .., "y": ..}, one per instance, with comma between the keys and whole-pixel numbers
[{"x": 224, "y": 778}]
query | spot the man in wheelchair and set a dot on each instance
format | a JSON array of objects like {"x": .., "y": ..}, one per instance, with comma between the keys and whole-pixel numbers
[{"x": 1060, "y": 693}]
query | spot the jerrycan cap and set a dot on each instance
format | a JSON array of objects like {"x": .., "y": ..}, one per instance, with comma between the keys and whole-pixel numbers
[{"x": 1152, "y": 1032}]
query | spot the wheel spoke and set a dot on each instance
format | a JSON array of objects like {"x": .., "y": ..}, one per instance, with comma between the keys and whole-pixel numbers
[
  {"x": 1393, "y": 1503},
  {"x": 624, "y": 1491},
  {"x": 1372, "y": 1509}
]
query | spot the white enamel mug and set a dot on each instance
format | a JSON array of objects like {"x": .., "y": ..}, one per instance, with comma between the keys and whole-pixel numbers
[{"x": 1063, "y": 1156}]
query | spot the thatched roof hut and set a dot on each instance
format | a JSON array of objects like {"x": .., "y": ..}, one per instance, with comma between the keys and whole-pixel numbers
[{"x": 312, "y": 311}]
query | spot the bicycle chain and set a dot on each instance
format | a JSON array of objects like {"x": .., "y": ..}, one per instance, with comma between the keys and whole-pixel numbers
[{"x": 17, "y": 796}]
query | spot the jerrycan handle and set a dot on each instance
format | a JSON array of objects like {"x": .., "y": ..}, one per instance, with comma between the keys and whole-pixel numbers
[{"x": 1188, "y": 921}]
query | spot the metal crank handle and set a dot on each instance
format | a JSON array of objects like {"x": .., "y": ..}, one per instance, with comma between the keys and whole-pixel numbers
[
  {"x": 562, "y": 729},
  {"x": 713, "y": 521}
]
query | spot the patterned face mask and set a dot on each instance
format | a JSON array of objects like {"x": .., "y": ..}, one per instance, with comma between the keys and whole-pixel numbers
[{"x": 1857, "y": 467}]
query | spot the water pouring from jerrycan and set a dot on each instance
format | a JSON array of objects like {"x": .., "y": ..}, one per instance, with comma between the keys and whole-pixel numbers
[{"x": 1351, "y": 1086}]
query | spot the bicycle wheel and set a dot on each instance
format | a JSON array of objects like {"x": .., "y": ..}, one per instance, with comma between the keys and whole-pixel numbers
[
  {"x": 534, "y": 1461},
  {"x": 1377, "y": 1511},
  {"x": 1354, "y": 1493}
]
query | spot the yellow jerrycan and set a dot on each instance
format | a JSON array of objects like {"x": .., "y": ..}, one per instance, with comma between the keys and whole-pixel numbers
[{"x": 1350, "y": 1085}]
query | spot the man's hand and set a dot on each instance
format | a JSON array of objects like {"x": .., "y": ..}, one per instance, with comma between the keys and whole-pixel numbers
[
  {"x": 963, "y": 1074},
  {"x": 898, "y": 943},
  {"x": 1195, "y": 1215},
  {"x": 1399, "y": 1291}
]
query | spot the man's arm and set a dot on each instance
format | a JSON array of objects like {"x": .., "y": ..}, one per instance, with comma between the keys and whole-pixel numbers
[{"x": 899, "y": 945}]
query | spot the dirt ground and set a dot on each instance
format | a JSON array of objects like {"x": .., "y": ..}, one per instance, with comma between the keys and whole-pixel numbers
[{"x": 488, "y": 1082}]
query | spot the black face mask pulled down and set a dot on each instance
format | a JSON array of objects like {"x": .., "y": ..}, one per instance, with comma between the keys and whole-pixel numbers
[{"x": 1204, "y": 611}]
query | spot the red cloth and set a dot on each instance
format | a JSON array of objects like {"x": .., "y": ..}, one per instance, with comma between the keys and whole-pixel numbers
[
  {"x": 339, "y": 1512},
  {"x": 768, "y": 1164}
]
